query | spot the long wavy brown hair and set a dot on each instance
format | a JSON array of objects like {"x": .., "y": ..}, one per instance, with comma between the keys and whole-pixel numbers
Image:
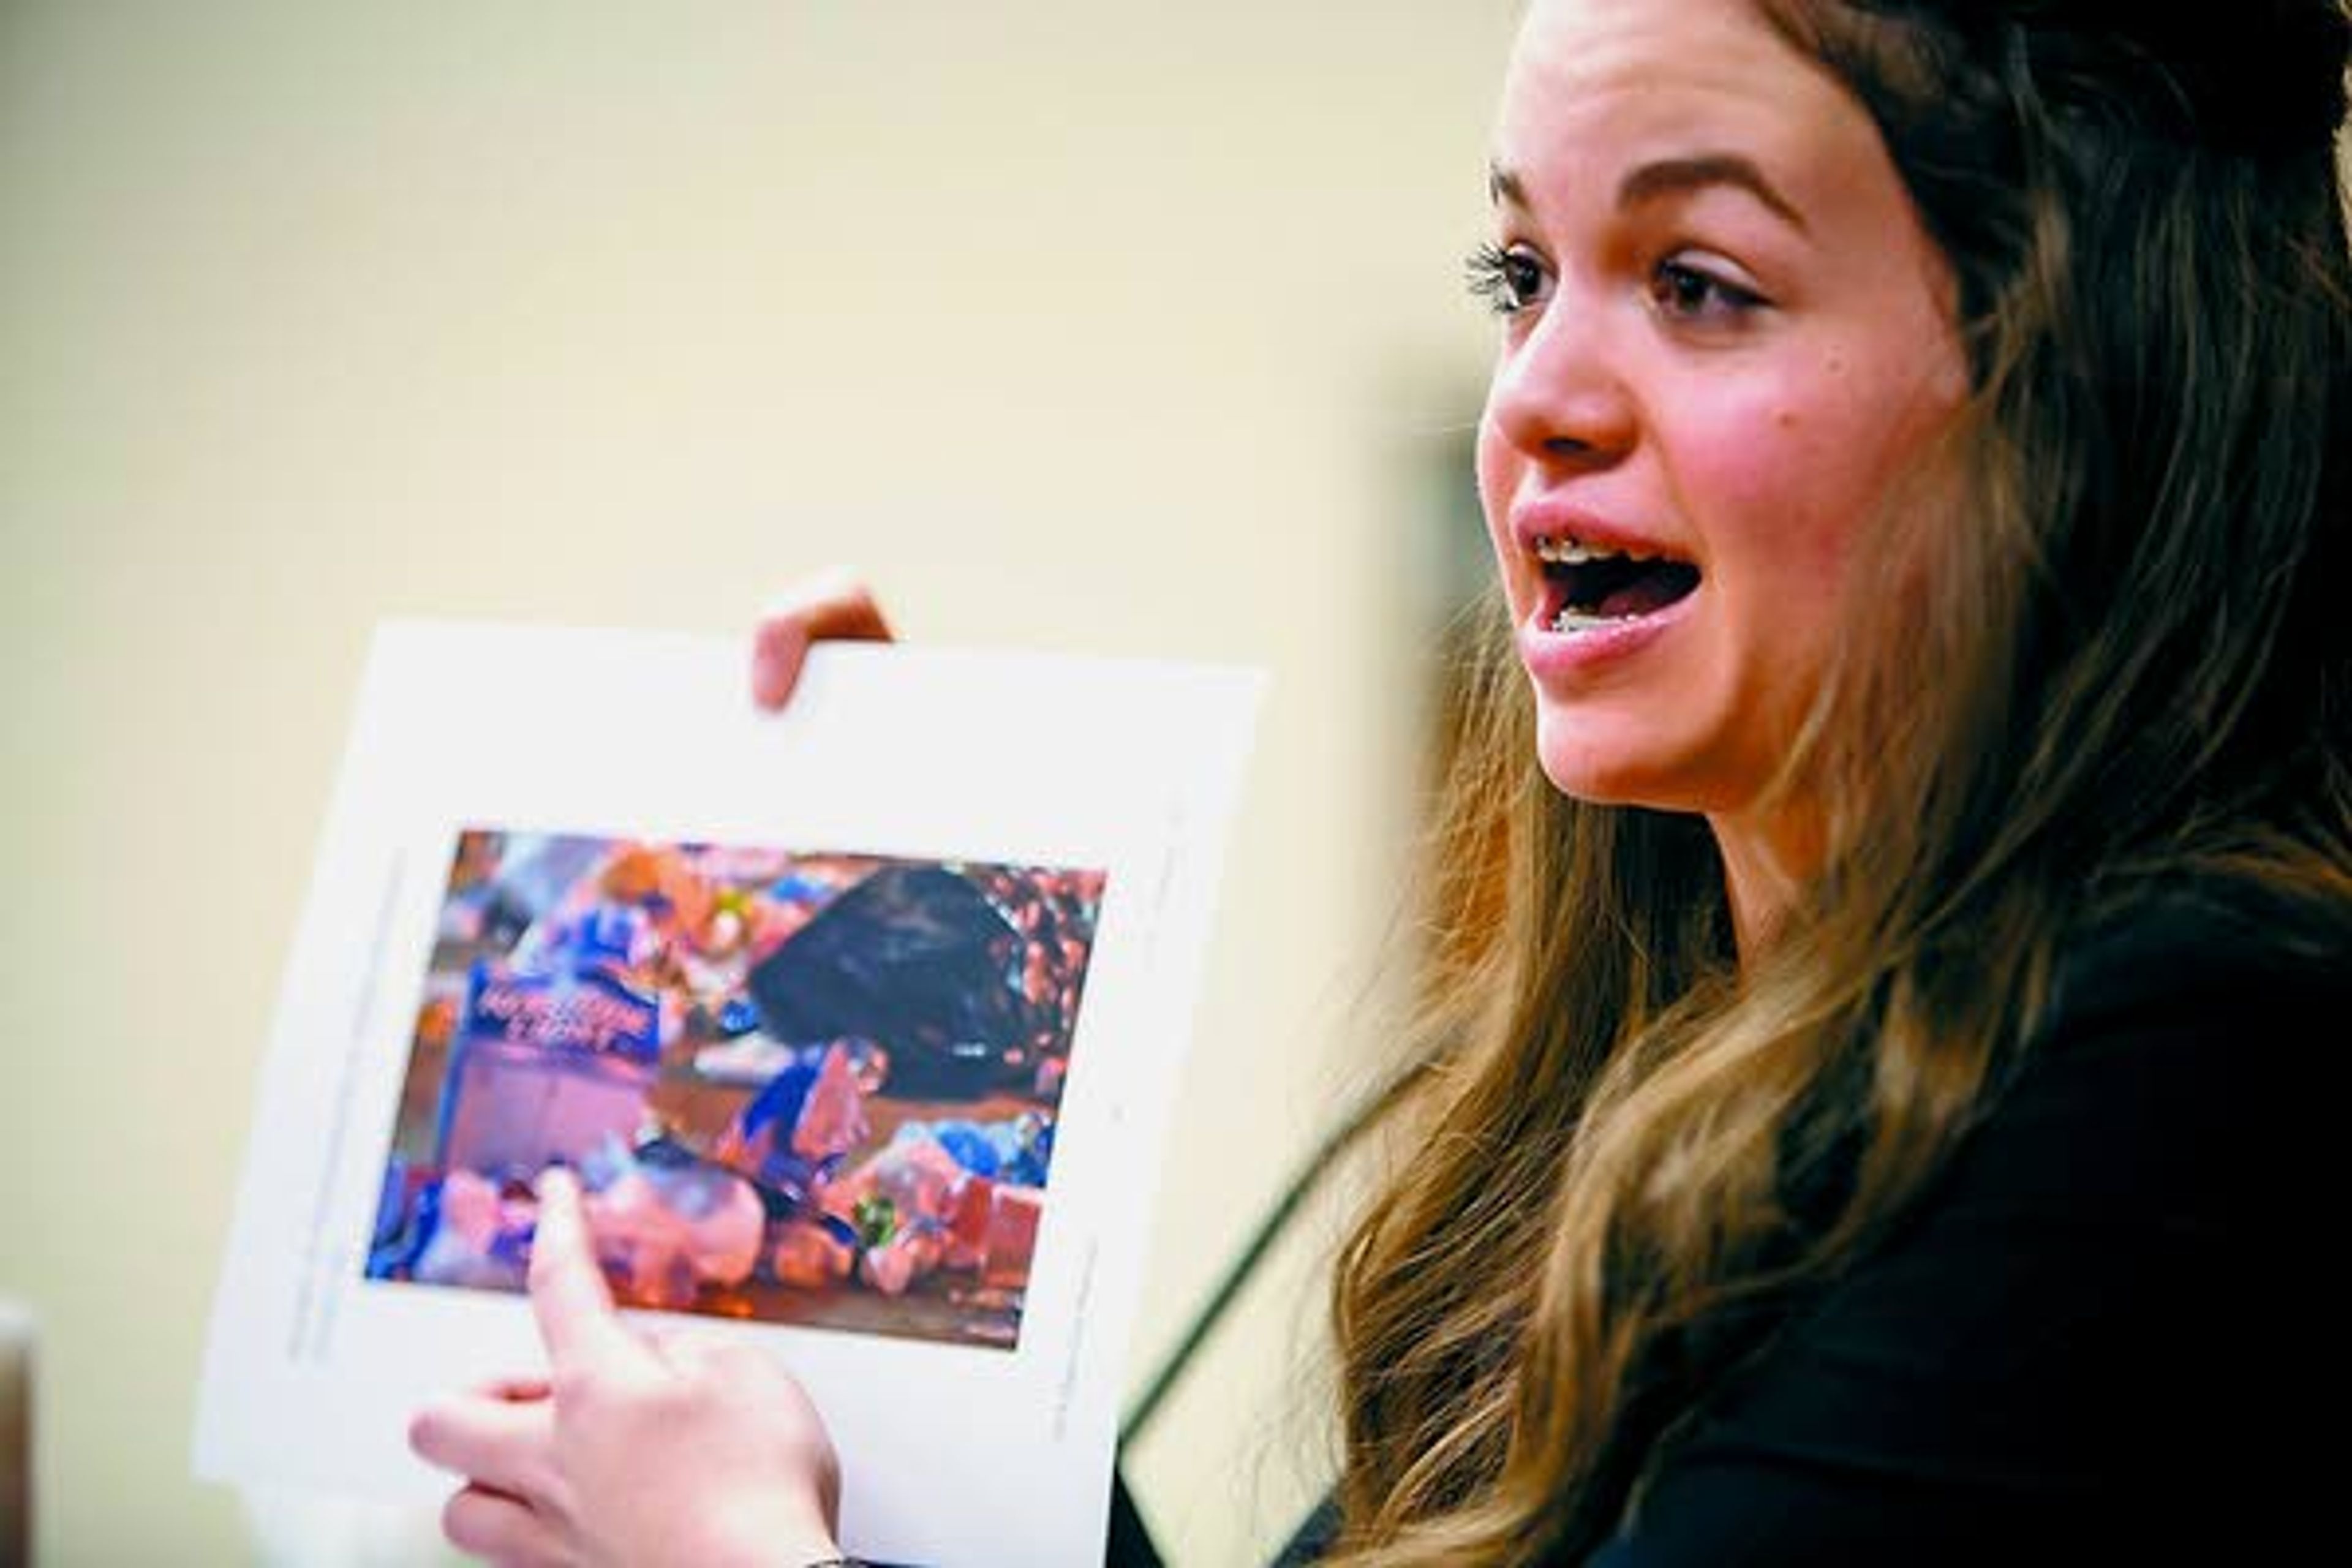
[{"x": 2118, "y": 671}]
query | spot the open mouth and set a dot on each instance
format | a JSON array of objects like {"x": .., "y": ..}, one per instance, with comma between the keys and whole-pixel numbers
[{"x": 1591, "y": 586}]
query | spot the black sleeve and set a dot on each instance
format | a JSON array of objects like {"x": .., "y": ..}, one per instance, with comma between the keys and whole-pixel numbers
[
  {"x": 1131, "y": 1544},
  {"x": 1313, "y": 1538},
  {"x": 2099, "y": 1340}
]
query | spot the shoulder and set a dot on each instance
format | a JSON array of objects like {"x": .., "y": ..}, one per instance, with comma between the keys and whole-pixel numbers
[
  {"x": 2185, "y": 1047},
  {"x": 2199, "y": 954},
  {"x": 2089, "y": 1334},
  {"x": 2191, "y": 1049}
]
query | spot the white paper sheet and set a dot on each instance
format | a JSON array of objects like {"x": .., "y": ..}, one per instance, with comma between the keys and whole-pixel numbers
[{"x": 954, "y": 1453}]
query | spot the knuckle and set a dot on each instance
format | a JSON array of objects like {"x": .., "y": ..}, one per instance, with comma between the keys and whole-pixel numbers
[{"x": 574, "y": 1388}]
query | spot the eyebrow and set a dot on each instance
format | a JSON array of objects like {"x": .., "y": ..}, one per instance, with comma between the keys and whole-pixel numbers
[{"x": 1668, "y": 177}]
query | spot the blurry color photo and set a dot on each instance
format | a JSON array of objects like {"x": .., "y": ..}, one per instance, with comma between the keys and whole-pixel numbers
[{"x": 802, "y": 1088}]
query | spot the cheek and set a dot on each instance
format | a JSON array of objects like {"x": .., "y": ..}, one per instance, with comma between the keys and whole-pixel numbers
[
  {"x": 1793, "y": 473},
  {"x": 1774, "y": 485}
]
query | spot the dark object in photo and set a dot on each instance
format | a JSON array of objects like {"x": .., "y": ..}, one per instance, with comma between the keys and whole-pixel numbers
[{"x": 915, "y": 959}]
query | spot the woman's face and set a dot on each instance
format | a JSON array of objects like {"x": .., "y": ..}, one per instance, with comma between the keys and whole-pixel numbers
[{"x": 1724, "y": 334}]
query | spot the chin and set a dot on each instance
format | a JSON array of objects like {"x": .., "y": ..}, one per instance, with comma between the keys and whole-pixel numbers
[
  {"x": 1582, "y": 768},
  {"x": 1617, "y": 753}
]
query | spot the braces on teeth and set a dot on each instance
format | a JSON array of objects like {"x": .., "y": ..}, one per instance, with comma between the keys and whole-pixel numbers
[
  {"x": 1572, "y": 551},
  {"x": 1574, "y": 621}
]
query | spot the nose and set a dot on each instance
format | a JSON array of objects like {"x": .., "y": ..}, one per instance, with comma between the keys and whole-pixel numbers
[{"x": 1558, "y": 392}]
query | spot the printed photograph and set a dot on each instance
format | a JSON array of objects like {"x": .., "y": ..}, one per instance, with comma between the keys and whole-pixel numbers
[{"x": 802, "y": 1088}]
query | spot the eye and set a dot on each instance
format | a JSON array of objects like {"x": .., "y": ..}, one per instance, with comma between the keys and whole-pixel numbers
[
  {"x": 1687, "y": 293},
  {"x": 1509, "y": 280}
]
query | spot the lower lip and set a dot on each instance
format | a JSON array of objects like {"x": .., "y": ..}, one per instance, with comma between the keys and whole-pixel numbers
[{"x": 1574, "y": 655}]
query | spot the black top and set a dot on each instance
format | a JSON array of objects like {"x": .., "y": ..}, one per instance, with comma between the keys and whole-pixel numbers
[{"x": 2101, "y": 1337}]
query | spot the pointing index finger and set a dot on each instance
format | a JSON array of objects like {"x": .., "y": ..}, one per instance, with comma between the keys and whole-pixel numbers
[{"x": 568, "y": 1295}]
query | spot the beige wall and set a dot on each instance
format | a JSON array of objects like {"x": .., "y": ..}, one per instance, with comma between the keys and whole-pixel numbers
[{"x": 1117, "y": 327}]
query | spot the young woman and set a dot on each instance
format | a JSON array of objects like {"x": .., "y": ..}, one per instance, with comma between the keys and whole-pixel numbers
[{"x": 1904, "y": 876}]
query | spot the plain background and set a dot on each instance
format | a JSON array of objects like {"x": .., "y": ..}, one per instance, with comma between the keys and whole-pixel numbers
[{"x": 1114, "y": 327}]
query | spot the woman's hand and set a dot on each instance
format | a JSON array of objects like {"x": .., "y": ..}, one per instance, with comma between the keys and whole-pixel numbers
[
  {"x": 633, "y": 1453},
  {"x": 832, "y": 607}
]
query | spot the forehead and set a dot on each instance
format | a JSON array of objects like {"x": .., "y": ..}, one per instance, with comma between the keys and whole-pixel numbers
[{"x": 1593, "y": 79}]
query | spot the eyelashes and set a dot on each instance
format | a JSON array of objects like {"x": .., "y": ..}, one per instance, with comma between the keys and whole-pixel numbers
[
  {"x": 1506, "y": 280},
  {"x": 1682, "y": 291}
]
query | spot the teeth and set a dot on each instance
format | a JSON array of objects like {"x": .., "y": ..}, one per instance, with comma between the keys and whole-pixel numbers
[
  {"x": 1572, "y": 622},
  {"x": 1571, "y": 552}
]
